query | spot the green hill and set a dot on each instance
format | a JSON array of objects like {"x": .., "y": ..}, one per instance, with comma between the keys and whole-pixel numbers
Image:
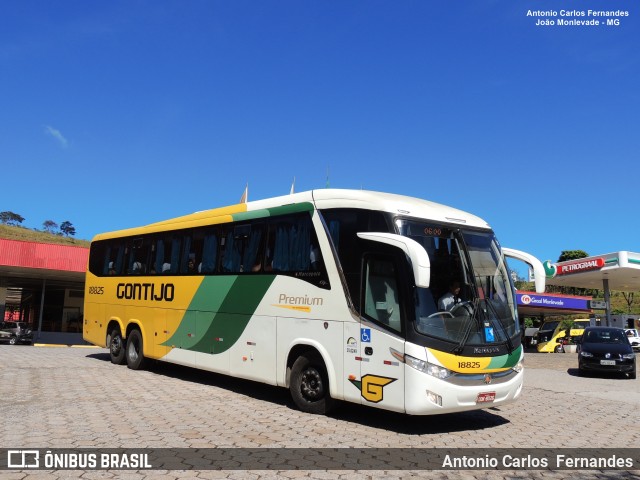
[{"x": 26, "y": 235}]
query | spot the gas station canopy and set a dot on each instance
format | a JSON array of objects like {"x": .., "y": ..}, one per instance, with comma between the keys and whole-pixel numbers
[{"x": 611, "y": 271}]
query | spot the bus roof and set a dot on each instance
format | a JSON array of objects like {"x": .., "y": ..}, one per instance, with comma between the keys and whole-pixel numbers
[{"x": 322, "y": 199}]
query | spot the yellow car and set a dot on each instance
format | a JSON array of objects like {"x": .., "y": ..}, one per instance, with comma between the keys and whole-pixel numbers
[{"x": 551, "y": 334}]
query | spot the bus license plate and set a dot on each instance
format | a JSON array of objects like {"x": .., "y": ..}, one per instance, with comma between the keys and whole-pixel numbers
[
  {"x": 486, "y": 397},
  {"x": 607, "y": 362}
]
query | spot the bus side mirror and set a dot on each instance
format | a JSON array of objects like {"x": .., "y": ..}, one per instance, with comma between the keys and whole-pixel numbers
[
  {"x": 417, "y": 254},
  {"x": 536, "y": 265}
]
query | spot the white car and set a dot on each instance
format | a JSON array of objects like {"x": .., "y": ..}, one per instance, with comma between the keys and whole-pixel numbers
[{"x": 634, "y": 338}]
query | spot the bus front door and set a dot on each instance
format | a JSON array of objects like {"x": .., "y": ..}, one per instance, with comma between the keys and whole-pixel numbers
[
  {"x": 381, "y": 374},
  {"x": 381, "y": 341}
]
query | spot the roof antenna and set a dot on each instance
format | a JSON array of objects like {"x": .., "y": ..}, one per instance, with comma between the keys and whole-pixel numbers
[
  {"x": 327, "y": 186},
  {"x": 293, "y": 186}
]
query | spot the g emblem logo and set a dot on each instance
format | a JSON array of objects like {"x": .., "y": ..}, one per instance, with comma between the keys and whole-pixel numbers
[{"x": 371, "y": 387}]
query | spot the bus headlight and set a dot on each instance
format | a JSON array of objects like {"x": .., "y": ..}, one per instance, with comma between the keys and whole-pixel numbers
[
  {"x": 426, "y": 367},
  {"x": 519, "y": 367},
  {"x": 413, "y": 362}
]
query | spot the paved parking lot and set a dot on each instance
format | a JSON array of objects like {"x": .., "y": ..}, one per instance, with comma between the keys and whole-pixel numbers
[{"x": 75, "y": 398}]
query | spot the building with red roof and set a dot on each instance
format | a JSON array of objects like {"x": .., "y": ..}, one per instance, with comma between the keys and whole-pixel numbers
[{"x": 42, "y": 284}]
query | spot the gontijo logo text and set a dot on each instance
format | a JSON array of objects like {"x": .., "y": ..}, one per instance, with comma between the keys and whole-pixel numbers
[{"x": 145, "y": 291}]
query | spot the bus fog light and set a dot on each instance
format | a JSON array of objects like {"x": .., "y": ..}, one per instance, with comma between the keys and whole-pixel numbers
[{"x": 434, "y": 398}]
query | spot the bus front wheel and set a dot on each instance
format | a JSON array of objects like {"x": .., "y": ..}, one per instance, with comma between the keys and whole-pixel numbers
[
  {"x": 116, "y": 347},
  {"x": 135, "y": 357},
  {"x": 310, "y": 385}
]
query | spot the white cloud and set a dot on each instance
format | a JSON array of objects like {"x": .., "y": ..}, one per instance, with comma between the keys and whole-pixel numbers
[{"x": 57, "y": 135}]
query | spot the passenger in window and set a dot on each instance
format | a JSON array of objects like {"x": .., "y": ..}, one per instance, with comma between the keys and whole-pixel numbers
[
  {"x": 268, "y": 260},
  {"x": 112, "y": 270},
  {"x": 166, "y": 266},
  {"x": 191, "y": 266},
  {"x": 451, "y": 298},
  {"x": 314, "y": 257}
]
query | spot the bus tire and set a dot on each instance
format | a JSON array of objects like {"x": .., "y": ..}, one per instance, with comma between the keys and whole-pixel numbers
[
  {"x": 309, "y": 385},
  {"x": 135, "y": 356},
  {"x": 116, "y": 348}
]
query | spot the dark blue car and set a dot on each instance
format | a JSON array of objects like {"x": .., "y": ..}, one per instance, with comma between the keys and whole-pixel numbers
[{"x": 606, "y": 350}]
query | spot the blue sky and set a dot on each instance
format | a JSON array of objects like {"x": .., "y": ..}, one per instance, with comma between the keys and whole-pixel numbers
[{"x": 120, "y": 113}]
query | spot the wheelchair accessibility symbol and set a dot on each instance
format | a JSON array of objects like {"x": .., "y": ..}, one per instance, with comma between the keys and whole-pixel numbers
[{"x": 365, "y": 335}]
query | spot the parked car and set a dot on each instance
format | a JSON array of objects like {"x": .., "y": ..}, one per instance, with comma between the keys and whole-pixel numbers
[
  {"x": 606, "y": 350},
  {"x": 633, "y": 337},
  {"x": 15, "y": 332}
]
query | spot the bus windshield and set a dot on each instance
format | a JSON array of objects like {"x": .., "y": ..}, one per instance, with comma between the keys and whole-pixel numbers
[{"x": 470, "y": 300}]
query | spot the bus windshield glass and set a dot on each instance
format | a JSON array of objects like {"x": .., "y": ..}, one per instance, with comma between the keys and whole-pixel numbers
[{"x": 470, "y": 300}]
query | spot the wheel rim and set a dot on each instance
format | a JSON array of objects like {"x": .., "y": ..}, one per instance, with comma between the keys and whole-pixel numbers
[
  {"x": 116, "y": 345},
  {"x": 133, "y": 350},
  {"x": 311, "y": 385}
]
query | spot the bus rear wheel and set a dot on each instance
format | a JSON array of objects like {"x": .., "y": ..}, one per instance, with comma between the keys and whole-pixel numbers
[
  {"x": 116, "y": 347},
  {"x": 135, "y": 357},
  {"x": 310, "y": 385}
]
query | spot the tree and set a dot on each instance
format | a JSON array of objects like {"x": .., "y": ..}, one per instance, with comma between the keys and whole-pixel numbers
[
  {"x": 572, "y": 255},
  {"x": 67, "y": 228},
  {"x": 629, "y": 299},
  {"x": 10, "y": 218},
  {"x": 50, "y": 226}
]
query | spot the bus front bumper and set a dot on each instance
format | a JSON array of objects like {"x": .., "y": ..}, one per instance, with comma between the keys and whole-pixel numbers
[{"x": 427, "y": 395}]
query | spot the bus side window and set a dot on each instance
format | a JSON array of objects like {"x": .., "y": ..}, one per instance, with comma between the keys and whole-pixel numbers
[
  {"x": 159, "y": 256},
  {"x": 175, "y": 254},
  {"x": 209, "y": 253},
  {"x": 291, "y": 244},
  {"x": 187, "y": 258},
  {"x": 231, "y": 259},
  {"x": 114, "y": 258},
  {"x": 167, "y": 255},
  {"x": 138, "y": 251},
  {"x": 252, "y": 249},
  {"x": 381, "y": 293},
  {"x": 99, "y": 258}
]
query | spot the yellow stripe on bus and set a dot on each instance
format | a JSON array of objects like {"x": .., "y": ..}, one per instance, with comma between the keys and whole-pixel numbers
[{"x": 293, "y": 307}]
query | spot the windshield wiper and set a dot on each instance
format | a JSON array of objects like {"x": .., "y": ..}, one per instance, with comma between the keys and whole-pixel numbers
[{"x": 458, "y": 348}]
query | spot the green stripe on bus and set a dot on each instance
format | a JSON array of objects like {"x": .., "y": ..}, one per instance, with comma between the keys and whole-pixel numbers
[
  {"x": 208, "y": 326},
  {"x": 271, "y": 212},
  {"x": 506, "y": 361}
]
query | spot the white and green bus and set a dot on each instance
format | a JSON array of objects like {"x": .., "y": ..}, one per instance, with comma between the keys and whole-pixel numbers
[{"x": 332, "y": 294}]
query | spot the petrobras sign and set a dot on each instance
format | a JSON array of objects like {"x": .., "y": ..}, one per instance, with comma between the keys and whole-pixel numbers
[
  {"x": 552, "y": 301},
  {"x": 576, "y": 266}
]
